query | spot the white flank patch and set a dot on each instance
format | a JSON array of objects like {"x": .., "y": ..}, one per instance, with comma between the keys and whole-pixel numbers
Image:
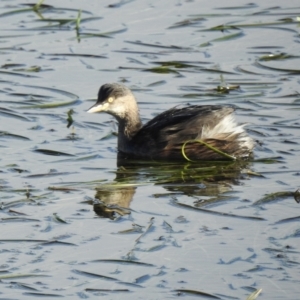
[{"x": 228, "y": 125}]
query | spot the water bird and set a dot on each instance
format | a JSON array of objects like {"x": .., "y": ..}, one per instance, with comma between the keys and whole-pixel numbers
[{"x": 194, "y": 132}]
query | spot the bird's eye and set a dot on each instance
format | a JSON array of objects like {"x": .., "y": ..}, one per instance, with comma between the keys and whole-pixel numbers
[{"x": 110, "y": 99}]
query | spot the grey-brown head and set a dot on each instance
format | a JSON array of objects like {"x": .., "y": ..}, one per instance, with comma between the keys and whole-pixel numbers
[
  {"x": 115, "y": 99},
  {"x": 118, "y": 101}
]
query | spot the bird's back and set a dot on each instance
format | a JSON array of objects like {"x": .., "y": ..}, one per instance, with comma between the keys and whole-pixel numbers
[{"x": 164, "y": 136}]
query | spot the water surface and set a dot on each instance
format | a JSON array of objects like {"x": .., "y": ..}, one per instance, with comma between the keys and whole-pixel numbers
[{"x": 160, "y": 230}]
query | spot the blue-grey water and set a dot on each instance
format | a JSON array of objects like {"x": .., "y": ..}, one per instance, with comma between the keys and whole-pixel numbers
[{"x": 158, "y": 231}]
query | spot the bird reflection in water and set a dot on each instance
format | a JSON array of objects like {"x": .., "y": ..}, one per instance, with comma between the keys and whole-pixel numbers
[{"x": 207, "y": 180}]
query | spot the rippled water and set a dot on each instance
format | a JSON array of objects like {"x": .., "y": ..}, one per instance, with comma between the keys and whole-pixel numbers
[{"x": 76, "y": 225}]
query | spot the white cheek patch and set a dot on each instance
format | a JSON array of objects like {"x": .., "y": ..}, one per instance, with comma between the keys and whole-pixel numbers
[{"x": 118, "y": 111}]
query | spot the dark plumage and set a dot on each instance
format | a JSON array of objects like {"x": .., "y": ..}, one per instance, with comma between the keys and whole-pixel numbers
[{"x": 163, "y": 136}]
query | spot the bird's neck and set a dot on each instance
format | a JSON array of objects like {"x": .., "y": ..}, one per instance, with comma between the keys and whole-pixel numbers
[{"x": 128, "y": 127}]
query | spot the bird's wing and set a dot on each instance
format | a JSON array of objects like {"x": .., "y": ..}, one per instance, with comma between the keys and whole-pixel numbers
[{"x": 170, "y": 129}]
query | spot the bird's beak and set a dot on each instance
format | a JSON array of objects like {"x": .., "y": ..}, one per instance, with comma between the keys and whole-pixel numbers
[{"x": 95, "y": 108}]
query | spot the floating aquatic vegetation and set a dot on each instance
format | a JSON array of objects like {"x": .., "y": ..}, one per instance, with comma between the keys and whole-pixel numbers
[
  {"x": 124, "y": 261},
  {"x": 77, "y": 26},
  {"x": 135, "y": 229},
  {"x": 69, "y": 118},
  {"x": 11, "y": 135},
  {"x": 280, "y": 56},
  {"x": 22, "y": 240},
  {"x": 274, "y": 197},
  {"x": 142, "y": 52},
  {"x": 58, "y": 219},
  {"x": 286, "y": 70},
  {"x": 157, "y": 83},
  {"x": 258, "y": 25},
  {"x": 30, "y": 69},
  {"x": 62, "y": 189},
  {"x": 161, "y": 70},
  {"x": 22, "y": 286},
  {"x": 188, "y": 22},
  {"x": 171, "y": 47},
  {"x": 246, "y": 6},
  {"x": 283, "y": 250},
  {"x": 50, "y": 174},
  {"x": 16, "y": 212},
  {"x": 25, "y": 10},
  {"x": 213, "y": 201},
  {"x": 269, "y": 160},
  {"x": 214, "y": 149},
  {"x": 57, "y": 242},
  {"x": 76, "y": 55},
  {"x": 17, "y": 74},
  {"x": 146, "y": 231},
  {"x": 107, "y": 290},
  {"x": 36, "y": 294},
  {"x": 297, "y": 196},
  {"x": 107, "y": 34},
  {"x": 119, "y": 4},
  {"x": 16, "y": 203},
  {"x": 13, "y": 276},
  {"x": 52, "y": 152},
  {"x": 219, "y": 213},
  {"x": 38, "y": 5},
  {"x": 195, "y": 293},
  {"x": 176, "y": 64},
  {"x": 10, "y": 66},
  {"x": 35, "y": 100},
  {"x": 62, "y": 22},
  {"x": 222, "y": 28},
  {"x": 288, "y": 220},
  {"x": 254, "y": 295},
  {"x": 78, "y": 20},
  {"x": 38, "y": 9},
  {"x": 95, "y": 275},
  {"x": 11, "y": 114},
  {"x": 50, "y": 105},
  {"x": 18, "y": 219},
  {"x": 252, "y": 173},
  {"x": 226, "y": 89},
  {"x": 223, "y": 39}
]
